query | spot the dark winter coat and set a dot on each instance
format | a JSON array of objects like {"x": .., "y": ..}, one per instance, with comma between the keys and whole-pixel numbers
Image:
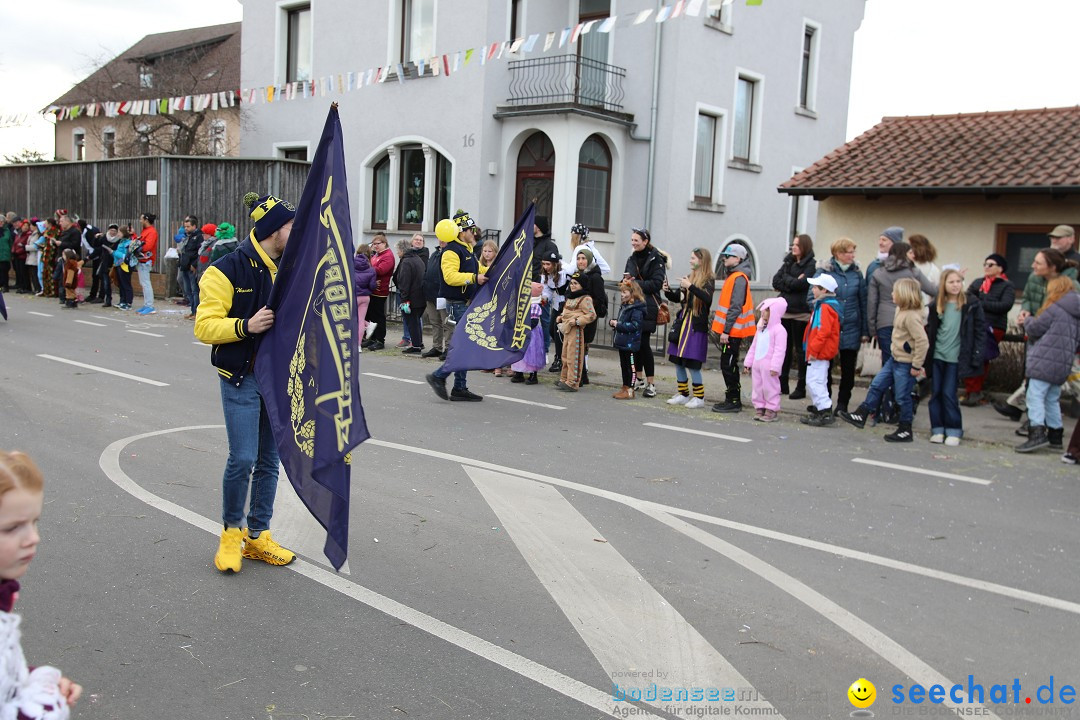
[
  {"x": 410, "y": 281},
  {"x": 972, "y": 337},
  {"x": 648, "y": 267},
  {"x": 189, "y": 256},
  {"x": 701, "y": 319},
  {"x": 363, "y": 275},
  {"x": 627, "y": 334},
  {"x": 996, "y": 303},
  {"x": 433, "y": 276},
  {"x": 791, "y": 282},
  {"x": 542, "y": 246},
  {"x": 880, "y": 308},
  {"x": 851, "y": 294},
  {"x": 594, "y": 285},
  {"x": 1054, "y": 337}
]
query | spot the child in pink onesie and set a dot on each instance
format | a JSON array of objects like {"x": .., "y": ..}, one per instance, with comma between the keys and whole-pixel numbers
[{"x": 765, "y": 358}]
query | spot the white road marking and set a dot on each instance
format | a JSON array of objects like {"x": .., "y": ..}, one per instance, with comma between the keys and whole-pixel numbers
[
  {"x": 39, "y": 314},
  {"x": 562, "y": 684},
  {"x": 691, "y": 431},
  {"x": 525, "y": 402},
  {"x": 839, "y": 550},
  {"x": 107, "y": 371},
  {"x": 391, "y": 377},
  {"x": 143, "y": 332},
  {"x": 625, "y": 622},
  {"x": 890, "y": 650},
  {"x": 292, "y": 520},
  {"x": 111, "y": 319},
  {"x": 921, "y": 471},
  {"x": 87, "y": 322}
]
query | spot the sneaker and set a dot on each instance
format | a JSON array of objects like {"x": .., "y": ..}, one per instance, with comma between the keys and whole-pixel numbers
[
  {"x": 937, "y": 438},
  {"x": 403, "y": 343},
  {"x": 857, "y": 418},
  {"x": 769, "y": 416},
  {"x": 264, "y": 548},
  {"x": 556, "y": 366},
  {"x": 412, "y": 350},
  {"x": 728, "y": 406},
  {"x": 903, "y": 434},
  {"x": 564, "y": 387},
  {"x": 376, "y": 346},
  {"x": 759, "y": 413},
  {"x": 678, "y": 399},
  {"x": 695, "y": 404},
  {"x": 438, "y": 385},
  {"x": 227, "y": 558},
  {"x": 465, "y": 395},
  {"x": 1068, "y": 459},
  {"x": 433, "y": 352},
  {"x": 366, "y": 345},
  {"x": 650, "y": 391},
  {"x": 824, "y": 418},
  {"x": 369, "y": 329},
  {"x": 952, "y": 441},
  {"x": 1010, "y": 411}
]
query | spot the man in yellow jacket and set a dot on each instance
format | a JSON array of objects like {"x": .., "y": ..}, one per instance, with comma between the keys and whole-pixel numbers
[
  {"x": 232, "y": 314},
  {"x": 462, "y": 274}
]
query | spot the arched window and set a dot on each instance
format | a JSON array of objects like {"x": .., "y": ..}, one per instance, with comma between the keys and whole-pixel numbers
[
  {"x": 535, "y": 175},
  {"x": 411, "y": 187},
  {"x": 736, "y": 240},
  {"x": 594, "y": 184}
]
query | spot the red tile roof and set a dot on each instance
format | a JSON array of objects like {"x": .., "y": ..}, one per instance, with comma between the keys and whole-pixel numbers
[
  {"x": 1020, "y": 151},
  {"x": 183, "y": 62}
]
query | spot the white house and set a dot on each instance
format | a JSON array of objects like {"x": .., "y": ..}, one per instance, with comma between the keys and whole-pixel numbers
[{"x": 685, "y": 126}]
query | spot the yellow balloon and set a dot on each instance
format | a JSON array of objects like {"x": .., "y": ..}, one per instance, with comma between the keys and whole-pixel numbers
[
  {"x": 862, "y": 693},
  {"x": 446, "y": 230}
]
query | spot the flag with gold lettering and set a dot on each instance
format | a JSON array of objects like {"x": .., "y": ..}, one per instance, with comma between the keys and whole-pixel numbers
[
  {"x": 494, "y": 331},
  {"x": 307, "y": 363}
]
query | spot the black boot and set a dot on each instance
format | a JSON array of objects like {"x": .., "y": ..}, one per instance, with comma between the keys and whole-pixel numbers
[
  {"x": 556, "y": 366},
  {"x": 517, "y": 377},
  {"x": 857, "y": 418},
  {"x": 732, "y": 404},
  {"x": 1010, "y": 411},
  {"x": 1054, "y": 436},
  {"x": 584, "y": 377},
  {"x": 531, "y": 380},
  {"x": 798, "y": 393},
  {"x": 903, "y": 434},
  {"x": 811, "y": 417},
  {"x": 1036, "y": 439},
  {"x": 1022, "y": 431}
]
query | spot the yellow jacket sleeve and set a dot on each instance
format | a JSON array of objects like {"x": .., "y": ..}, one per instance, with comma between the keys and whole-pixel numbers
[
  {"x": 451, "y": 265},
  {"x": 212, "y": 322}
]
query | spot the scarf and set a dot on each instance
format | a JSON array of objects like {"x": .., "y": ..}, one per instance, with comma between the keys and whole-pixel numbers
[{"x": 988, "y": 282}]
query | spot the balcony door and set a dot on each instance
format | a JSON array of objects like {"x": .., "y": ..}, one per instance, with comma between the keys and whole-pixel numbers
[
  {"x": 592, "y": 50},
  {"x": 535, "y": 175}
]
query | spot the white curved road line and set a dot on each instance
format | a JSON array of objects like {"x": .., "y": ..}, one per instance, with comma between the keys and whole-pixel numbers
[{"x": 562, "y": 684}]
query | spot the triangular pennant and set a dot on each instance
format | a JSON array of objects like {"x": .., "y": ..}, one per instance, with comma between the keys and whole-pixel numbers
[
  {"x": 531, "y": 43},
  {"x": 642, "y": 16},
  {"x": 516, "y": 45},
  {"x": 678, "y": 9},
  {"x": 605, "y": 27},
  {"x": 401, "y": 74},
  {"x": 457, "y": 60},
  {"x": 576, "y": 32},
  {"x": 564, "y": 36},
  {"x": 446, "y": 65},
  {"x": 693, "y": 9},
  {"x": 664, "y": 14},
  {"x": 548, "y": 41},
  {"x": 468, "y": 55}
]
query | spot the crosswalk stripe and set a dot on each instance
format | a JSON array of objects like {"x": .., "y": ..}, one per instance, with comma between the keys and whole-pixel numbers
[
  {"x": 143, "y": 332},
  {"x": 619, "y": 615},
  {"x": 87, "y": 322},
  {"x": 525, "y": 402},
  {"x": 391, "y": 377},
  {"x": 921, "y": 471},
  {"x": 39, "y": 314},
  {"x": 107, "y": 371},
  {"x": 692, "y": 431}
]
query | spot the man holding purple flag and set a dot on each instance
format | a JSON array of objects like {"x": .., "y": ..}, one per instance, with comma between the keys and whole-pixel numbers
[
  {"x": 489, "y": 305},
  {"x": 308, "y": 363},
  {"x": 231, "y": 317}
]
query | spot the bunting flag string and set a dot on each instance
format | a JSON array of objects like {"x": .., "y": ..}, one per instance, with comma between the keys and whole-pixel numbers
[{"x": 446, "y": 64}]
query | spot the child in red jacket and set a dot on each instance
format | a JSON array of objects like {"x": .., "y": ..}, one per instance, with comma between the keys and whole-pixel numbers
[{"x": 821, "y": 343}]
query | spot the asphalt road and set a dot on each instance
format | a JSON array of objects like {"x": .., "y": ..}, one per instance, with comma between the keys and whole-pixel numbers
[{"x": 528, "y": 556}]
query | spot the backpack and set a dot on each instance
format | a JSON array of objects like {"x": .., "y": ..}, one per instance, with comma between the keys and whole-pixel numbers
[
  {"x": 600, "y": 304},
  {"x": 134, "y": 254}
]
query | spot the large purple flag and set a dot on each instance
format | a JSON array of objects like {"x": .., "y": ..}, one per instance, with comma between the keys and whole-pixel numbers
[
  {"x": 494, "y": 331},
  {"x": 307, "y": 363},
  {"x": 3, "y": 306}
]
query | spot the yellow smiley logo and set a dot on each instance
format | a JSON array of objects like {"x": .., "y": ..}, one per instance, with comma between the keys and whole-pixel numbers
[{"x": 862, "y": 693}]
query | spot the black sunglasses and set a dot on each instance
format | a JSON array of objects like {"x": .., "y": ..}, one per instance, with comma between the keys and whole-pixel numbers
[{"x": 642, "y": 232}]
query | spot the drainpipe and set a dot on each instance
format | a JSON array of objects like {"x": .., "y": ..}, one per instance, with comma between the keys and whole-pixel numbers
[{"x": 651, "y": 137}]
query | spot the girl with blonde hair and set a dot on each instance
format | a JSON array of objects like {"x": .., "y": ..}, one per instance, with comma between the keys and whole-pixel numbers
[
  {"x": 957, "y": 333},
  {"x": 688, "y": 339},
  {"x": 908, "y": 352}
]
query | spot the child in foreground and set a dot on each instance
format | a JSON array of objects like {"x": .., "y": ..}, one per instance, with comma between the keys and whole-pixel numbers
[{"x": 42, "y": 693}]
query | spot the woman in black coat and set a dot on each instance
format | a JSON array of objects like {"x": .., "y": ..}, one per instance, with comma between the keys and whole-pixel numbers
[
  {"x": 791, "y": 282},
  {"x": 409, "y": 277},
  {"x": 997, "y": 295},
  {"x": 647, "y": 266}
]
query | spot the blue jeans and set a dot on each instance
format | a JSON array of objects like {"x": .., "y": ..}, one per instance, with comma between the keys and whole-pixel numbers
[
  {"x": 545, "y": 324},
  {"x": 944, "y": 406},
  {"x": 897, "y": 376},
  {"x": 190, "y": 287},
  {"x": 455, "y": 311},
  {"x": 253, "y": 456},
  {"x": 884, "y": 341},
  {"x": 1044, "y": 403},
  {"x": 147, "y": 288}
]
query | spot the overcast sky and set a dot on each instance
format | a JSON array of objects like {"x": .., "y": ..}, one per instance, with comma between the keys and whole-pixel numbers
[{"x": 912, "y": 57}]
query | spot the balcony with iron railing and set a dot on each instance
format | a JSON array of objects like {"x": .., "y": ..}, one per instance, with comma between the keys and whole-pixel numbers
[{"x": 565, "y": 83}]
